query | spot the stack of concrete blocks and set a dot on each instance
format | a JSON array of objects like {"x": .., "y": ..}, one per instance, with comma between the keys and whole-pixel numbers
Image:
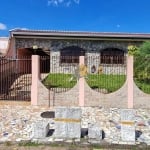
[
  {"x": 40, "y": 129},
  {"x": 94, "y": 133},
  {"x": 128, "y": 125},
  {"x": 67, "y": 123}
]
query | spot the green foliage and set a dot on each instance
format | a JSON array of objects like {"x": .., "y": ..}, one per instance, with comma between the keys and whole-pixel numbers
[
  {"x": 144, "y": 49},
  {"x": 109, "y": 82},
  {"x": 142, "y": 67},
  {"x": 132, "y": 50},
  {"x": 60, "y": 80},
  {"x": 34, "y": 144}
]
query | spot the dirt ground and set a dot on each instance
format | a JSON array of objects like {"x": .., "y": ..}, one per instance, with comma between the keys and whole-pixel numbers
[
  {"x": 4, "y": 147},
  {"x": 68, "y": 146}
]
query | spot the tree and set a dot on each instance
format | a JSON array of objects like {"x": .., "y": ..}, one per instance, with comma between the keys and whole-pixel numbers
[{"x": 142, "y": 64}]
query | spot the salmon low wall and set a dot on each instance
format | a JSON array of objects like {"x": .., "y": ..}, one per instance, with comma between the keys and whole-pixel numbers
[{"x": 116, "y": 99}]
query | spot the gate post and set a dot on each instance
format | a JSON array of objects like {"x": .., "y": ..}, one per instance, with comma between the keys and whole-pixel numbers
[
  {"x": 130, "y": 80},
  {"x": 35, "y": 78},
  {"x": 81, "y": 84}
]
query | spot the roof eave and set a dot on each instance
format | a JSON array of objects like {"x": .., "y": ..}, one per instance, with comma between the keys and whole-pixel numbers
[{"x": 80, "y": 35}]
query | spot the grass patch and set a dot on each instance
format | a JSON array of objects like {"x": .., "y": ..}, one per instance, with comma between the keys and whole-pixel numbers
[
  {"x": 143, "y": 85},
  {"x": 59, "y": 80},
  {"x": 110, "y": 83},
  {"x": 30, "y": 144}
]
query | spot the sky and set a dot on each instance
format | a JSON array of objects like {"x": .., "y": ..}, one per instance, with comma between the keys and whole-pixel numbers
[{"x": 131, "y": 16}]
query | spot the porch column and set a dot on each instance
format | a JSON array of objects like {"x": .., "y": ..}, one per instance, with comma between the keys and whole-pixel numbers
[
  {"x": 81, "y": 84},
  {"x": 130, "y": 80},
  {"x": 35, "y": 78}
]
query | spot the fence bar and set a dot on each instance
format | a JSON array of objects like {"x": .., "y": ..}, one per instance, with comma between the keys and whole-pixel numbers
[{"x": 15, "y": 78}]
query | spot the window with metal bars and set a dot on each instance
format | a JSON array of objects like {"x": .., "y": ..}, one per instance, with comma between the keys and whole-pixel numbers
[
  {"x": 71, "y": 54},
  {"x": 112, "y": 56}
]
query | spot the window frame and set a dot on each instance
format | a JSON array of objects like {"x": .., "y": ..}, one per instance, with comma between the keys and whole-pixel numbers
[
  {"x": 71, "y": 54},
  {"x": 112, "y": 56}
]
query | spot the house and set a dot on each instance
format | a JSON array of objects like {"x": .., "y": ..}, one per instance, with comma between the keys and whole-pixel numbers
[
  {"x": 3, "y": 45},
  {"x": 65, "y": 47},
  {"x": 104, "y": 53}
]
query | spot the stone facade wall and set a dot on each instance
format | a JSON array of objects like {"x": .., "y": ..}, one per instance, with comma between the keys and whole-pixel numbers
[
  {"x": 87, "y": 45},
  {"x": 16, "y": 123},
  {"x": 92, "y": 49},
  {"x": 109, "y": 120}
]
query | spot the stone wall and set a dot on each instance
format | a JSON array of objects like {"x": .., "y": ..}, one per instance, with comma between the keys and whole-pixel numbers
[
  {"x": 87, "y": 45},
  {"x": 16, "y": 123},
  {"x": 92, "y": 48},
  {"x": 109, "y": 120}
]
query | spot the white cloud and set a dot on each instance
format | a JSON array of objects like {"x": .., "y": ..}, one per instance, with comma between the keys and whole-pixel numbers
[
  {"x": 52, "y": 2},
  {"x": 77, "y": 1},
  {"x": 60, "y": 1},
  {"x": 66, "y": 3},
  {"x": 3, "y": 26},
  {"x": 118, "y": 26}
]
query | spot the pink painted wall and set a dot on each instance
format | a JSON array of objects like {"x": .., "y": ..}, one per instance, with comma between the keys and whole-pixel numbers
[
  {"x": 35, "y": 79},
  {"x": 130, "y": 81},
  {"x": 81, "y": 84}
]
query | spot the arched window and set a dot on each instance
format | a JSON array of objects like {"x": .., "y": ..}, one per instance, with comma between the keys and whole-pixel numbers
[
  {"x": 71, "y": 54},
  {"x": 112, "y": 56}
]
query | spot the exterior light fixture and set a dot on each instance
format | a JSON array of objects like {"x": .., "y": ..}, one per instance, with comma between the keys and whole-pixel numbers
[{"x": 35, "y": 47}]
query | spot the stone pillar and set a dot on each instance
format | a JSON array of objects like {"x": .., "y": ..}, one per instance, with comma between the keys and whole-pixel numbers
[
  {"x": 130, "y": 80},
  {"x": 81, "y": 84},
  {"x": 35, "y": 78}
]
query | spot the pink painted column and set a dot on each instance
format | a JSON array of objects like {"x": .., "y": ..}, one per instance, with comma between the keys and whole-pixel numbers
[
  {"x": 81, "y": 84},
  {"x": 35, "y": 78},
  {"x": 130, "y": 80}
]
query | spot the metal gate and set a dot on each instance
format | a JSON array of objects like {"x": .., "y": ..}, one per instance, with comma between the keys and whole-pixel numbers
[{"x": 15, "y": 78}]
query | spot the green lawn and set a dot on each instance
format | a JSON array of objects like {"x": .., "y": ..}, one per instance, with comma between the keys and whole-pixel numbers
[
  {"x": 143, "y": 85},
  {"x": 59, "y": 80},
  {"x": 110, "y": 83}
]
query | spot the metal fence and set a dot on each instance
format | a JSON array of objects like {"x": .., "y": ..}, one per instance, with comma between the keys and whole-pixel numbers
[
  {"x": 106, "y": 74},
  {"x": 44, "y": 66},
  {"x": 15, "y": 78},
  {"x": 101, "y": 75},
  {"x": 62, "y": 74}
]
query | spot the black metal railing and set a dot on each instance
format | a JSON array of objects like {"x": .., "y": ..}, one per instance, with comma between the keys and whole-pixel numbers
[
  {"x": 103, "y": 77},
  {"x": 15, "y": 78},
  {"x": 106, "y": 74},
  {"x": 62, "y": 74}
]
